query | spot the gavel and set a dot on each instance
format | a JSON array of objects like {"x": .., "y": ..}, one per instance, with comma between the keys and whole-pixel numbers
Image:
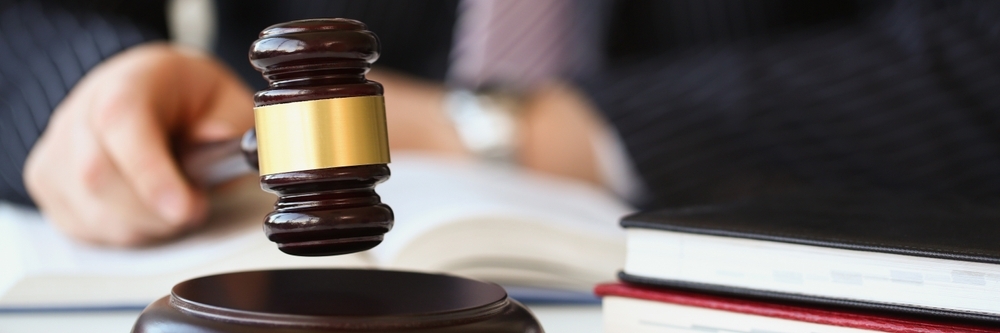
[
  {"x": 321, "y": 145},
  {"x": 320, "y": 140}
]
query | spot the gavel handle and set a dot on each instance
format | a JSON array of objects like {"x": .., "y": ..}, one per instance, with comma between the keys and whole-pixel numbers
[{"x": 211, "y": 164}]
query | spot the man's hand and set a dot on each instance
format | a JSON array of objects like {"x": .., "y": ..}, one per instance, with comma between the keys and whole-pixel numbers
[{"x": 105, "y": 169}]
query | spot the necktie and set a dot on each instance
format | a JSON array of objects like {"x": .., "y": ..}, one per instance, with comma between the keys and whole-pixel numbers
[{"x": 517, "y": 44}]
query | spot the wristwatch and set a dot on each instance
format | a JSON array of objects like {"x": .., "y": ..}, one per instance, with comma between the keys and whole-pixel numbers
[{"x": 486, "y": 122}]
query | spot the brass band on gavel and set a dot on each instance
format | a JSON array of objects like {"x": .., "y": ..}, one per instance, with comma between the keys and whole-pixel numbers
[{"x": 320, "y": 134}]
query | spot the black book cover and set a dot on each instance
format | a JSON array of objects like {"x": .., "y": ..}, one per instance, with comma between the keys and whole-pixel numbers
[{"x": 933, "y": 227}]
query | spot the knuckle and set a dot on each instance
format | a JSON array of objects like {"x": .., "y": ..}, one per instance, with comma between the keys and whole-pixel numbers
[
  {"x": 149, "y": 175},
  {"x": 108, "y": 110},
  {"x": 94, "y": 170},
  {"x": 148, "y": 165}
]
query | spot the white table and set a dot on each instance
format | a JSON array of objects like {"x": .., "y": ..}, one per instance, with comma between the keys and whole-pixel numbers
[{"x": 554, "y": 318}]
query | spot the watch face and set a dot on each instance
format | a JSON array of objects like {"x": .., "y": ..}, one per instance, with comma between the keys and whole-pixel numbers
[{"x": 486, "y": 123}]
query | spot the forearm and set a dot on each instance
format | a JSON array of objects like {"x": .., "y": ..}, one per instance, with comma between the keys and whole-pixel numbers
[
  {"x": 47, "y": 47},
  {"x": 555, "y": 133}
]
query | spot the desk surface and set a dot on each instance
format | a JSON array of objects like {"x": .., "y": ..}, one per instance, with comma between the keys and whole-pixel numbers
[{"x": 555, "y": 319}]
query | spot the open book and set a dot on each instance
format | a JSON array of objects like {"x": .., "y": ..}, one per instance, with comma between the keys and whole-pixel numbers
[{"x": 519, "y": 229}]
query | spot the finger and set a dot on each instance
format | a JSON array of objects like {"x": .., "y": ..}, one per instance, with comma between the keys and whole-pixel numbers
[
  {"x": 228, "y": 115},
  {"x": 107, "y": 210},
  {"x": 88, "y": 200},
  {"x": 132, "y": 131}
]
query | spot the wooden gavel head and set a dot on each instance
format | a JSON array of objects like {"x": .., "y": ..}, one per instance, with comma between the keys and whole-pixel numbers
[{"x": 321, "y": 136}]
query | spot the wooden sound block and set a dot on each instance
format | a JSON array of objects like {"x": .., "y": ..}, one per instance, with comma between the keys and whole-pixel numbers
[{"x": 334, "y": 300}]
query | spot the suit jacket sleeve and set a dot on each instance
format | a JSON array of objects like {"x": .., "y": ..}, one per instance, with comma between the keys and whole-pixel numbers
[
  {"x": 45, "y": 48},
  {"x": 904, "y": 99}
]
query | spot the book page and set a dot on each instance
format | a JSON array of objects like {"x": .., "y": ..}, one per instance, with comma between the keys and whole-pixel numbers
[{"x": 427, "y": 192}]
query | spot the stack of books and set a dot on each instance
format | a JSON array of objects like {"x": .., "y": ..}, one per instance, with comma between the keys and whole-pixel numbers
[{"x": 811, "y": 262}]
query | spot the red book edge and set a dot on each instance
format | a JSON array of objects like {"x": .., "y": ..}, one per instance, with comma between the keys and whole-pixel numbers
[{"x": 784, "y": 311}]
